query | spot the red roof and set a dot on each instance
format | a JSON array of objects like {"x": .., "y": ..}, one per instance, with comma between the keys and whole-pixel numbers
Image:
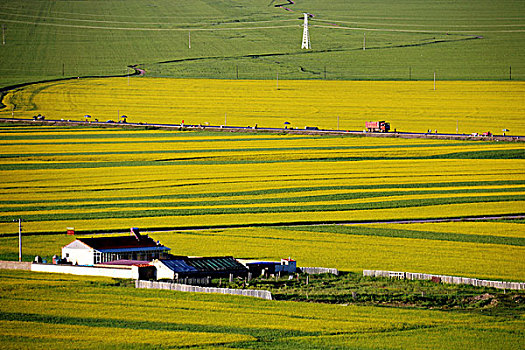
[
  {"x": 127, "y": 263},
  {"x": 116, "y": 242}
]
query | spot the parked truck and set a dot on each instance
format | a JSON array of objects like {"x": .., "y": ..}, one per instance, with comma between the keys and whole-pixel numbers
[{"x": 380, "y": 126}]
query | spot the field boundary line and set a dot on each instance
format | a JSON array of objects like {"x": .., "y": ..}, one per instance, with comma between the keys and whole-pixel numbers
[
  {"x": 262, "y": 294},
  {"x": 445, "y": 279}
]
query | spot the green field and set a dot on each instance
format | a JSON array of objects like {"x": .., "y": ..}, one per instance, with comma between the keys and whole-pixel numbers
[
  {"x": 230, "y": 39},
  {"x": 46, "y": 310}
]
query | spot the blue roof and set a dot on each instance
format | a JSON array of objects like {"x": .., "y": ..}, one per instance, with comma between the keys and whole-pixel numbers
[
  {"x": 178, "y": 266},
  {"x": 142, "y": 249},
  {"x": 264, "y": 263}
]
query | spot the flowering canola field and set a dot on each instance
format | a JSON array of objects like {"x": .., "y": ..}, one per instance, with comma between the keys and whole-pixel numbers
[
  {"x": 109, "y": 180},
  {"x": 463, "y": 106}
]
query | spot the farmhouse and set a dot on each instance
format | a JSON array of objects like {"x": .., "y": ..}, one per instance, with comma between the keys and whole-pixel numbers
[{"x": 91, "y": 251}]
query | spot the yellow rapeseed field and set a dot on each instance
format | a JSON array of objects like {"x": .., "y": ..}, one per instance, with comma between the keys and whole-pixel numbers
[
  {"x": 468, "y": 106},
  {"x": 112, "y": 179}
]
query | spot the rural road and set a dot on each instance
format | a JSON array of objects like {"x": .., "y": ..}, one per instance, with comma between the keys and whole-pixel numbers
[{"x": 248, "y": 129}]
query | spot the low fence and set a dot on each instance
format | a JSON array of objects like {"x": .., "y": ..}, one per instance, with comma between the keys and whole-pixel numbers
[
  {"x": 263, "y": 294},
  {"x": 445, "y": 279},
  {"x": 83, "y": 270},
  {"x": 318, "y": 270},
  {"x": 15, "y": 265}
]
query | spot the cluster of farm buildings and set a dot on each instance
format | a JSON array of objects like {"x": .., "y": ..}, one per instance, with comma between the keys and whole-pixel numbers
[{"x": 142, "y": 258}]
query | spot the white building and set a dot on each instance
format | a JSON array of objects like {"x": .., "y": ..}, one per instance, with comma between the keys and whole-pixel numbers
[{"x": 91, "y": 251}]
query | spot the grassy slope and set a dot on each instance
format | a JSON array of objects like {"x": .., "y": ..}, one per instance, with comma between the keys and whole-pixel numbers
[{"x": 46, "y": 39}]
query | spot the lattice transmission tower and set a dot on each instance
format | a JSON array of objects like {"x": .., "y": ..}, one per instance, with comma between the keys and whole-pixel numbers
[{"x": 306, "y": 34}]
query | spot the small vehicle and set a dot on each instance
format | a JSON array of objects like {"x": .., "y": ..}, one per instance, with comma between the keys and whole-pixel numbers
[
  {"x": 311, "y": 128},
  {"x": 380, "y": 126},
  {"x": 110, "y": 121},
  {"x": 39, "y": 117},
  {"x": 488, "y": 133}
]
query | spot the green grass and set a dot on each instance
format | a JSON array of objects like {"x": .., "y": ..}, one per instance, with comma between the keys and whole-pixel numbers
[
  {"x": 480, "y": 40},
  {"x": 97, "y": 310},
  {"x": 353, "y": 288}
]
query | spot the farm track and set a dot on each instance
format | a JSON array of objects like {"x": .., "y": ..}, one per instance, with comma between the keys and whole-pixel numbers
[
  {"x": 3, "y": 91},
  {"x": 310, "y": 131}
]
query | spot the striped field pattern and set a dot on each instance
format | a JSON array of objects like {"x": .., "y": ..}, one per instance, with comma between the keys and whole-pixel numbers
[
  {"x": 102, "y": 180},
  {"x": 109, "y": 180}
]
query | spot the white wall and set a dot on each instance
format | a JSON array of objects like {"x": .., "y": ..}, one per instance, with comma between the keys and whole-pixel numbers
[
  {"x": 79, "y": 256},
  {"x": 83, "y": 270},
  {"x": 163, "y": 272}
]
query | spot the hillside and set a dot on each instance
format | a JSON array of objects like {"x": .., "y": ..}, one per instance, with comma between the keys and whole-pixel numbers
[{"x": 480, "y": 40}]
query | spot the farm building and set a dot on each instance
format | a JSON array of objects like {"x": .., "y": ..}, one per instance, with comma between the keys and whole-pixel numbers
[
  {"x": 258, "y": 268},
  {"x": 91, "y": 251},
  {"x": 212, "y": 267}
]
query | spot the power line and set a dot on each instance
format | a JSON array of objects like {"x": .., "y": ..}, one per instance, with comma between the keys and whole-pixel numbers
[{"x": 146, "y": 29}]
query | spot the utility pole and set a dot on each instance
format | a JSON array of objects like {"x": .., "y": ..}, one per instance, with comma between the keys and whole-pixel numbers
[
  {"x": 189, "y": 40},
  {"x": 364, "y": 41},
  {"x": 225, "y": 118},
  {"x": 19, "y": 239},
  {"x": 3, "y": 34},
  {"x": 434, "y": 80},
  {"x": 277, "y": 80},
  {"x": 510, "y": 72},
  {"x": 63, "y": 69}
]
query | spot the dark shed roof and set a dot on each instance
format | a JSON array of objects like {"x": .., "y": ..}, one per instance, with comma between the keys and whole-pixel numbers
[
  {"x": 223, "y": 263},
  {"x": 178, "y": 266},
  {"x": 119, "y": 242}
]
